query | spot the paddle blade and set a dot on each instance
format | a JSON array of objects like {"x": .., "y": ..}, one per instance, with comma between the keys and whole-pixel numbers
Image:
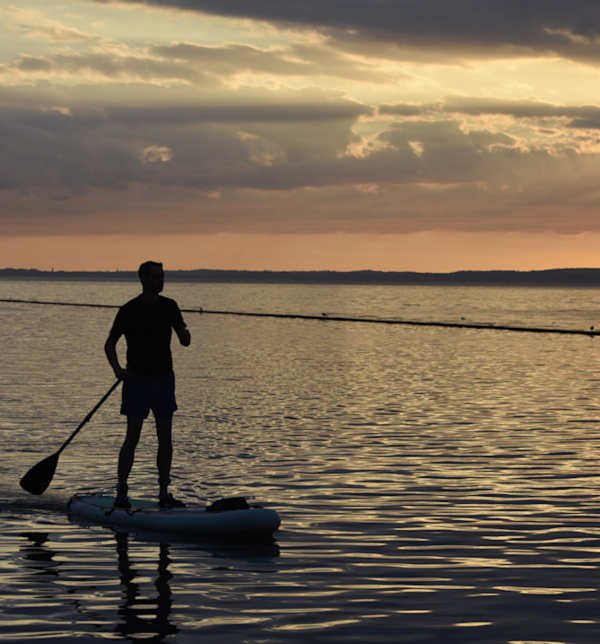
[{"x": 39, "y": 476}]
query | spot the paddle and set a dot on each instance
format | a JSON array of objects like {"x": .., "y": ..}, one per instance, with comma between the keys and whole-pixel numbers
[{"x": 38, "y": 478}]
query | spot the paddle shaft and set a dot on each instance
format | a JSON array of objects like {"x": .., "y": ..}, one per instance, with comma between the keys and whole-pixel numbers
[
  {"x": 92, "y": 412},
  {"x": 38, "y": 478}
]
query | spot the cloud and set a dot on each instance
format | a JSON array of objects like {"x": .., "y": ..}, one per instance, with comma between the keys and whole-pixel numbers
[
  {"x": 263, "y": 139},
  {"x": 56, "y": 33},
  {"x": 453, "y": 30},
  {"x": 240, "y": 111},
  {"x": 575, "y": 116},
  {"x": 578, "y": 116},
  {"x": 406, "y": 109},
  {"x": 591, "y": 123},
  {"x": 26, "y": 63},
  {"x": 99, "y": 66},
  {"x": 193, "y": 64},
  {"x": 277, "y": 166},
  {"x": 297, "y": 60},
  {"x": 236, "y": 137},
  {"x": 156, "y": 154},
  {"x": 517, "y": 108},
  {"x": 34, "y": 25}
]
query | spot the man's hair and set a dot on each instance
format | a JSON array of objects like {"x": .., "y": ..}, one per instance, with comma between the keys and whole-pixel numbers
[{"x": 145, "y": 269}]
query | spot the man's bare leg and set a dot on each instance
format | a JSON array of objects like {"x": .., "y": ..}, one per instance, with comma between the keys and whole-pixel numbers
[
  {"x": 164, "y": 457},
  {"x": 127, "y": 454}
]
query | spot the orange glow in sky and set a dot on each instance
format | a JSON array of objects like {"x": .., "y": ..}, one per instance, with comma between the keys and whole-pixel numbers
[{"x": 461, "y": 251}]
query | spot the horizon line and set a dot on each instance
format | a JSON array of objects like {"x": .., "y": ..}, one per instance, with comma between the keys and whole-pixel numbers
[
  {"x": 553, "y": 277},
  {"x": 304, "y": 270}
]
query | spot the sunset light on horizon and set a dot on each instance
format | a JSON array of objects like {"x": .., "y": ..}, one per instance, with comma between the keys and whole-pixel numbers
[{"x": 398, "y": 135}]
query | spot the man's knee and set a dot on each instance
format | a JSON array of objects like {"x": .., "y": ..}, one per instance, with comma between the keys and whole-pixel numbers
[
  {"x": 164, "y": 426},
  {"x": 134, "y": 429}
]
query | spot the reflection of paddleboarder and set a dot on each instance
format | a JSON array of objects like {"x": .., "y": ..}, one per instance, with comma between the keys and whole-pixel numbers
[
  {"x": 142, "y": 615},
  {"x": 148, "y": 381}
]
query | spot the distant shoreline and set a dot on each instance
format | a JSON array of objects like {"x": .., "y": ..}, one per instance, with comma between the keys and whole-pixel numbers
[{"x": 565, "y": 277}]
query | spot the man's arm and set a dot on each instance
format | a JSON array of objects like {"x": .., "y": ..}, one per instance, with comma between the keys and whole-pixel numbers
[
  {"x": 178, "y": 324},
  {"x": 184, "y": 335},
  {"x": 110, "y": 348}
]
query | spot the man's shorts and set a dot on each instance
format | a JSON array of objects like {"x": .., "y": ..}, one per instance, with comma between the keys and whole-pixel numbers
[{"x": 144, "y": 393}]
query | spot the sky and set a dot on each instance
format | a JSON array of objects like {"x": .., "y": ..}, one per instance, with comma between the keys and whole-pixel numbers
[{"x": 427, "y": 135}]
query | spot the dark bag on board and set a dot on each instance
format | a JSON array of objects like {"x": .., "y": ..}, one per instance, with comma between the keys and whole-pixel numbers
[{"x": 232, "y": 503}]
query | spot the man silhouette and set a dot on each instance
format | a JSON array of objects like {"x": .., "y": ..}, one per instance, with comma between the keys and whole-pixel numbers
[{"x": 148, "y": 381}]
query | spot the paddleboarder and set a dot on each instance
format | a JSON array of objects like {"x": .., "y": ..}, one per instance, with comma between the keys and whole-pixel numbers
[{"x": 148, "y": 380}]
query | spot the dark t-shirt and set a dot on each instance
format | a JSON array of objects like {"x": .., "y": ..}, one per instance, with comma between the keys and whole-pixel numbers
[{"x": 147, "y": 329}]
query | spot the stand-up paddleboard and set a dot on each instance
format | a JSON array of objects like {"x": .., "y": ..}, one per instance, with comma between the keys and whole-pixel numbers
[{"x": 219, "y": 520}]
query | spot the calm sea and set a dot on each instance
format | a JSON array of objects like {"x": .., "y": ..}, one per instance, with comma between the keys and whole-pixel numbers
[{"x": 434, "y": 484}]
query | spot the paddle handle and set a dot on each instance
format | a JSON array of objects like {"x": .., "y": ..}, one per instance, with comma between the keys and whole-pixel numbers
[{"x": 92, "y": 412}]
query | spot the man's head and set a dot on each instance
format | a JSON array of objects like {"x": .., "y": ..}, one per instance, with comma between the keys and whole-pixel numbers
[{"x": 151, "y": 276}]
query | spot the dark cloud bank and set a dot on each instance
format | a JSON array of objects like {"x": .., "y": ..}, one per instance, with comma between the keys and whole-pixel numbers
[{"x": 462, "y": 27}]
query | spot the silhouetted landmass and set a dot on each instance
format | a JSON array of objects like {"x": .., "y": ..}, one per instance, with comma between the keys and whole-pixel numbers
[{"x": 573, "y": 277}]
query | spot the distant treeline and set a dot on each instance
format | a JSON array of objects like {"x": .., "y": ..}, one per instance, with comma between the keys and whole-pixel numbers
[{"x": 552, "y": 277}]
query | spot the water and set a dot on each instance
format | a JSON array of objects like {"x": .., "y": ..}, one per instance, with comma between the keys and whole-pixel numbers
[{"x": 434, "y": 485}]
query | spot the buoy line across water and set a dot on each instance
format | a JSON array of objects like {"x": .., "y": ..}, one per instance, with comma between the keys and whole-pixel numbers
[{"x": 341, "y": 318}]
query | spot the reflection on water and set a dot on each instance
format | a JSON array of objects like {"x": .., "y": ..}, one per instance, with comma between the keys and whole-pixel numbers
[
  {"x": 109, "y": 581},
  {"x": 141, "y": 616},
  {"x": 38, "y": 559},
  {"x": 433, "y": 485}
]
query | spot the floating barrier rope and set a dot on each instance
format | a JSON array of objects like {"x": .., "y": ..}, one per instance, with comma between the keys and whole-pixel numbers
[{"x": 339, "y": 318}]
